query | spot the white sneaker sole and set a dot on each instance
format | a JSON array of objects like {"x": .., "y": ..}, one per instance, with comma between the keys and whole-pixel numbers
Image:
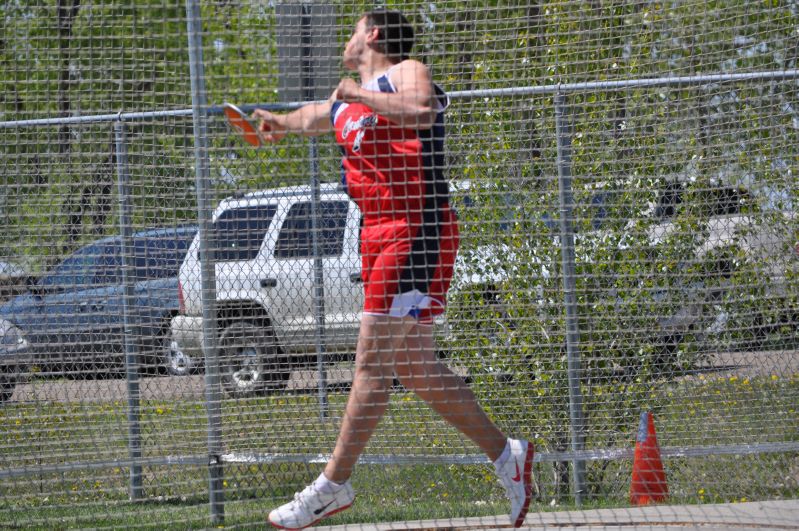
[
  {"x": 326, "y": 515},
  {"x": 527, "y": 477}
]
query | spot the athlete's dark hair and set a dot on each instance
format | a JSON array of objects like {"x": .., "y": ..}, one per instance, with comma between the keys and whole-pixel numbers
[{"x": 395, "y": 33}]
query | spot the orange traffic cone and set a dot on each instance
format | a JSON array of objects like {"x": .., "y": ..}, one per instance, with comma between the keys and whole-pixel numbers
[{"x": 648, "y": 483}]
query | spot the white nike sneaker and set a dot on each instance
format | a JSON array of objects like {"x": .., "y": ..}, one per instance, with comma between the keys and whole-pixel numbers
[
  {"x": 310, "y": 506},
  {"x": 516, "y": 475}
]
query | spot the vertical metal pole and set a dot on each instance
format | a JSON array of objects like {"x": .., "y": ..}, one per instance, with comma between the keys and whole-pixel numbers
[
  {"x": 213, "y": 390},
  {"x": 319, "y": 276},
  {"x": 129, "y": 321},
  {"x": 576, "y": 417},
  {"x": 319, "y": 283}
]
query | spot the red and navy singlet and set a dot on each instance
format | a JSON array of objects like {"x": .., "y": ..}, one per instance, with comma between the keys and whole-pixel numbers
[{"x": 409, "y": 235}]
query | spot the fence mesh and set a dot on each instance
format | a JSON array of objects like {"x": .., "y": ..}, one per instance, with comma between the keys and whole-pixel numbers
[{"x": 624, "y": 174}]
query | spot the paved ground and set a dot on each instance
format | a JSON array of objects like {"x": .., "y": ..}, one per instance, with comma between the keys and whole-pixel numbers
[
  {"x": 152, "y": 388},
  {"x": 749, "y": 364},
  {"x": 770, "y": 515},
  {"x": 745, "y": 364}
]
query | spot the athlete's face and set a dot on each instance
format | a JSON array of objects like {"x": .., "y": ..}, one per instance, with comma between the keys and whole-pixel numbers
[{"x": 360, "y": 40}]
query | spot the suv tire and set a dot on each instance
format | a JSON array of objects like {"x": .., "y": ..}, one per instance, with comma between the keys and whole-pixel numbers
[
  {"x": 249, "y": 360},
  {"x": 7, "y": 383},
  {"x": 172, "y": 358}
]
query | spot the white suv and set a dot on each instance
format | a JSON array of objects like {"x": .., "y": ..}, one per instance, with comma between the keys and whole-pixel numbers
[{"x": 265, "y": 269}]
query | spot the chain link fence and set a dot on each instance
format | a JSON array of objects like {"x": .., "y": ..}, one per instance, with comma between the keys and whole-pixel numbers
[{"x": 180, "y": 309}]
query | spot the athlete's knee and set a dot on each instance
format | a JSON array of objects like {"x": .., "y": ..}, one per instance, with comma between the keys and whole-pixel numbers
[
  {"x": 375, "y": 352},
  {"x": 420, "y": 370}
]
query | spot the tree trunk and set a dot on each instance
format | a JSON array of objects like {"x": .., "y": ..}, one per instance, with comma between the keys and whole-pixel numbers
[{"x": 67, "y": 12}]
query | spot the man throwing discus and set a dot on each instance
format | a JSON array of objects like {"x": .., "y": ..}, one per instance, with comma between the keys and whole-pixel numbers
[{"x": 390, "y": 128}]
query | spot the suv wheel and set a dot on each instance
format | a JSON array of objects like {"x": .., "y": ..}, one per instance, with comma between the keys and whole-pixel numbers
[
  {"x": 249, "y": 360},
  {"x": 7, "y": 383},
  {"x": 173, "y": 359}
]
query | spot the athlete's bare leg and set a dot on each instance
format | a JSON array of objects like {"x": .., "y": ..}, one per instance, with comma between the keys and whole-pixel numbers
[
  {"x": 387, "y": 346},
  {"x": 371, "y": 385},
  {"x": 419, "y": 370}
]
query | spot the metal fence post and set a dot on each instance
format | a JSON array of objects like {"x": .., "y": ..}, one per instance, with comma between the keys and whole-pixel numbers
[
  {"x": 129, "y": 322},
  {"x": 213, "y": 390},
  {"x": 319, "y": 283},
  {"x": 307, "y": 80},
  {"x": 566, "y": 198}
]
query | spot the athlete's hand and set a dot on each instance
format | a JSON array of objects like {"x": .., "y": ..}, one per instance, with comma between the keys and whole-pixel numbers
[
  {"x": 270, "y": 127},
  {"x": 348, "y": 91}
]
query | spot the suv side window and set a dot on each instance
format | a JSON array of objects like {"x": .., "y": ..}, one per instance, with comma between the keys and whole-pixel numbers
[
  {"x": 669, "y": 198},
  {"x": 239, "y": 232},
  {"x": 717, "y": 201},
  {"x": 294, "y": 239},
  {"x": 725, "y": 201}
]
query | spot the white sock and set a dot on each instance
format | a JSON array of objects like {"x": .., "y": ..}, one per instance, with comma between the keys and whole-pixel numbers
[
  {"x": 325, "y": 485},
  {"x": 503, "y": 457}
]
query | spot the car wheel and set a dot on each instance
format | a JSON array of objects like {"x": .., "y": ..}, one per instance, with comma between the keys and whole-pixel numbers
[
  {"x": 173, "y": 359},
  {"x": 7, "y": 384},
  {"x": 250, "y": 360}
]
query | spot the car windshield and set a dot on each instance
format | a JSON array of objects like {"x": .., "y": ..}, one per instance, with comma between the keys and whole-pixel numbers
[
  {"x": 160, "y": 256},
  {"x": 156, "y": 255},
  {"x": 98, "y": 263}
]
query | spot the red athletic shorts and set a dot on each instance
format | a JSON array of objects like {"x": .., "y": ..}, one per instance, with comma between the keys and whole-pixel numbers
[{"x": 407, "y": 267}]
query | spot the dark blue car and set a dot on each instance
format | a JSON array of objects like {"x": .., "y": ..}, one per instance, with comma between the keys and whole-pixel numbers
[{"x": 72, "y": 319}]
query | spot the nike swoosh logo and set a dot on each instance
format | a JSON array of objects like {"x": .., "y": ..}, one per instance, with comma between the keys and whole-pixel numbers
[
  {"x": 518, "y": 476},
  {"x": 321, "y": 509}
]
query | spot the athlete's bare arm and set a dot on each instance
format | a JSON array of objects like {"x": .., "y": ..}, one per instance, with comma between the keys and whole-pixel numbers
[
  {"x": 309, "y": 120},
  {"x": 412, "y": 106}
]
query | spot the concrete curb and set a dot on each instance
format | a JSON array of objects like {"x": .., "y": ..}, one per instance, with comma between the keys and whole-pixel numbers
[{"x": 737, "y": 516}]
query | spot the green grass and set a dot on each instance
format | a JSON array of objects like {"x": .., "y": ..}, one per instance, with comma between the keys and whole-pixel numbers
[{"x": 696, "y": 412}]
